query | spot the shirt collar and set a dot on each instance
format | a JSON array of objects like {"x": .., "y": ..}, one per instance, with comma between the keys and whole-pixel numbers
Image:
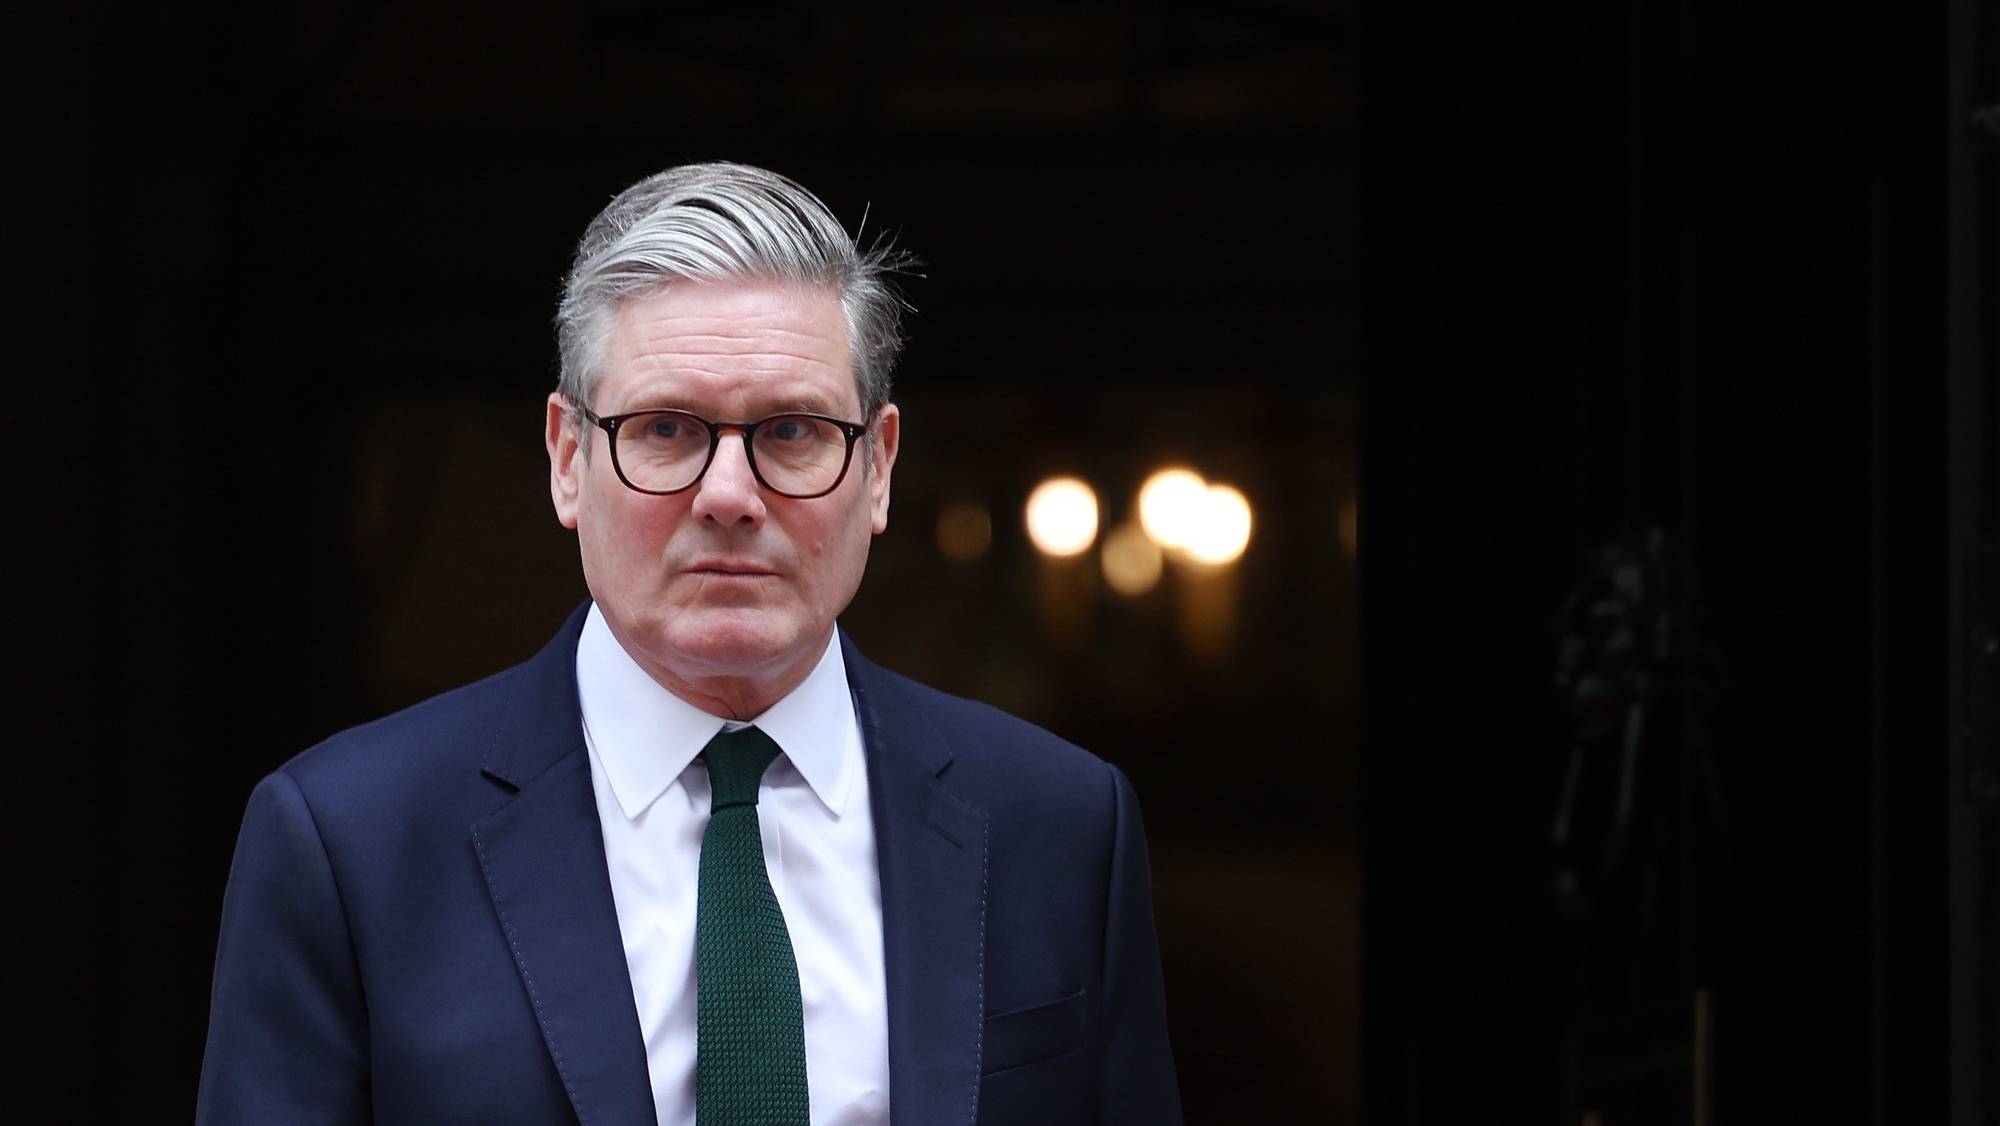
[{"x": 645, "y": 736}]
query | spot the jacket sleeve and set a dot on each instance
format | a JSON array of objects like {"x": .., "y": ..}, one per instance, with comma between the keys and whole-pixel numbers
[
  {"x": 287, "y": 1026},
  {"x": 1137, "y": 1083}
]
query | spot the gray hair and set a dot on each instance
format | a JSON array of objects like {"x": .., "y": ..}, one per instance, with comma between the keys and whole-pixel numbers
[{"x": 714, "y": 222}]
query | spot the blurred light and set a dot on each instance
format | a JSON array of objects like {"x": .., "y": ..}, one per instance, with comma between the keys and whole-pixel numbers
[
  {"x": 1220, "y": 529},
  {"x": 1350, "y": 530},
  {"x": 1169, "y": 504},
  {"x": 964, "y": 531},
  {"x": 1131, "y": 560},
  {"x": 1062, "y": 516}
]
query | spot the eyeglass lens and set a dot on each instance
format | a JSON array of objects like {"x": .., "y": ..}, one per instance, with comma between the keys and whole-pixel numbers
[{"x": 664, "y": 451}]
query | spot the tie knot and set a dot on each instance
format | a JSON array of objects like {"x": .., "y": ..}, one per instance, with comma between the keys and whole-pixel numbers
[{"x": 736, "y": 762}]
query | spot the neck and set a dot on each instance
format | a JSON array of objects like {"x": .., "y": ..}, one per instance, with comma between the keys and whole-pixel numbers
[
  {"x": 727, "y": 697},
  {"x": 739, "y": 697}
]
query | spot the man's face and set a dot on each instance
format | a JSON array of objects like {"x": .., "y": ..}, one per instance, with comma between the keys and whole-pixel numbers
[{"x": 724, "y": 592}]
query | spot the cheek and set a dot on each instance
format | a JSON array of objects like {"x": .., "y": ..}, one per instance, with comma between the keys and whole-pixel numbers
[
  {"x": 624, "y": 531},
  {"x": 843, "y": 549}
]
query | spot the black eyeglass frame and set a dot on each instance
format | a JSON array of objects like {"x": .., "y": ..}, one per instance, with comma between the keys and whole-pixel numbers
[{"x": 610, "y": 424}]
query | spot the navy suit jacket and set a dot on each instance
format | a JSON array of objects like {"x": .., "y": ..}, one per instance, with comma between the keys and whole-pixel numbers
[{"x": 419, "y": 925}]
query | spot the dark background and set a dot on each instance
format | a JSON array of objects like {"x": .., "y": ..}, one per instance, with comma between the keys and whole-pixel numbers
[{"x": 1519, "y": 282}]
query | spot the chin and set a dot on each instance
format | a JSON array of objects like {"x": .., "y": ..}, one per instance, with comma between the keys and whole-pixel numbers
[{"x": 731, "y": 643}]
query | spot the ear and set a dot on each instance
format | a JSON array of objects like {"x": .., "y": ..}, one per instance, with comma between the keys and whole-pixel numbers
[
  {"x": 565, "y": 461},
  {"x": 888, "y": 430}
]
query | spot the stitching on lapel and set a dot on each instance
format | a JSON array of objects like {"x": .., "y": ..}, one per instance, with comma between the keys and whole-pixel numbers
[
  {"x": 583, "y": 1115},
  {"x": 979, "y": 1035},
  {"x": 940, "y": 790}
]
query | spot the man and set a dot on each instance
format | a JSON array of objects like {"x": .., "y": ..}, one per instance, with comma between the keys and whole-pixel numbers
[{"x": 698, "y": 858}]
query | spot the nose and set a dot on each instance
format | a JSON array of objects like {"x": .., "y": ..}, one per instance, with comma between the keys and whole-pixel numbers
[{"x": 728, "y": 493}]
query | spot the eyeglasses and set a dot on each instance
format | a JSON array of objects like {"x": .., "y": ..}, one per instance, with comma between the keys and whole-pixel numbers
[{"x": 794, "y": 455}]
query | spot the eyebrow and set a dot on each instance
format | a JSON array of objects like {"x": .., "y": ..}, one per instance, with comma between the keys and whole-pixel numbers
[
  {"x": 811, "y": 404},
  {"x": 807, "y": 404}
]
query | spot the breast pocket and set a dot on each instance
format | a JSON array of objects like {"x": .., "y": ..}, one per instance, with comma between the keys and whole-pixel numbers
[{"x": 1031, "y": 1035}]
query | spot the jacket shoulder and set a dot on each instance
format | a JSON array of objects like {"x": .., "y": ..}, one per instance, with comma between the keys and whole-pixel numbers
[
  {"x": 450, "y": 725},
  {"x": 517, "y": 722},
  {"x": 991, "y": 749}
]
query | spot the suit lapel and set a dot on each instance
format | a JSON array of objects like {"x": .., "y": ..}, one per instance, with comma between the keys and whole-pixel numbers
[
  {"x": 542, "y": 853},
  {"x": 930, "y": 847}
]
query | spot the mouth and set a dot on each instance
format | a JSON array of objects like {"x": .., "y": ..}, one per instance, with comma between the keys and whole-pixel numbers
[{"x": 729, "y": 569}]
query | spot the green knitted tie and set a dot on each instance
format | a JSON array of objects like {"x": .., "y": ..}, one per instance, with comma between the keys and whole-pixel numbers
[{"x": 750, "y": 1063}]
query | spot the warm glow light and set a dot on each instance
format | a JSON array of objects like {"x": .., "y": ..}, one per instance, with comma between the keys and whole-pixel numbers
[
  {"x": 1220, "y": 530},
  {"x": 1062, "y": 516},
  {"x": 964, "y": 531},
  {"x": 1131, "y": 560},
  {"x": 1169, "y": 505},
  {"x": 1350, "y": 531}
]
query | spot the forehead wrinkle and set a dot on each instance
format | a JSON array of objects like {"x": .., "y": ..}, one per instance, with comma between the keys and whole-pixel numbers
[
  {"x": 746, "y": 352},
  {"x": 724, "y": 318},
  {"x": 706, "y": 367},
  {"x": 749, "y": 335},
  {"x": 815, "y": 325},
  {"x": 802, "y": 357},
  {"x": 780, "y": 382},
  {"x": 805, "y": 346}
]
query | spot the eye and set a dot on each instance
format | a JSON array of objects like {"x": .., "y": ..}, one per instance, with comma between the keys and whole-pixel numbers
[{"x": 664, "y": 432}]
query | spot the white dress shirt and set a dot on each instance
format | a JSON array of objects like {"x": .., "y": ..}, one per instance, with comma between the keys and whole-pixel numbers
[{"x": 819, "y": 847}]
